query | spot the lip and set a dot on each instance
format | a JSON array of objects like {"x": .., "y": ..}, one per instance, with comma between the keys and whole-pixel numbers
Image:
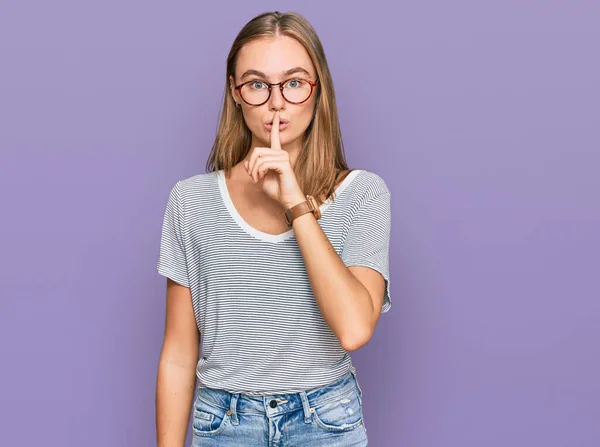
[{"x": 283, "y": 124}]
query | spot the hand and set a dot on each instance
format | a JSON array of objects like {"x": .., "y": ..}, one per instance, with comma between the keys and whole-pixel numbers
[{"x": 271, "y": 167}]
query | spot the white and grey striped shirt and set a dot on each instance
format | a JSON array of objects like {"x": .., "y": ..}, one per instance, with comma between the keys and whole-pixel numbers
[{"x": 261, "y": 329}]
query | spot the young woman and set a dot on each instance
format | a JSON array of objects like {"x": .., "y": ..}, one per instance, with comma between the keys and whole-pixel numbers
[{"x": 281, "y": 280}]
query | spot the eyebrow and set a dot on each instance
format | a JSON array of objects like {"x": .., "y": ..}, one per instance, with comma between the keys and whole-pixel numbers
[{"x": 285, "y": 73}]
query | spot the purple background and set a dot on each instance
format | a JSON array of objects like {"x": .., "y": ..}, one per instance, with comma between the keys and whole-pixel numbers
[{"x": 484, "y": 121}]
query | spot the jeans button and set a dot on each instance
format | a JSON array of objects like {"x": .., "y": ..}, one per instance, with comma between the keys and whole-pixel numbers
[{"x": 273, "y": 403}]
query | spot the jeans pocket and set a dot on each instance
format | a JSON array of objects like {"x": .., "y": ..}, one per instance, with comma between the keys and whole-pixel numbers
[
  {"x": 208, "y": 419},
  {"x": 358, "y": 388},
  {"x": 342, "y": 413}
]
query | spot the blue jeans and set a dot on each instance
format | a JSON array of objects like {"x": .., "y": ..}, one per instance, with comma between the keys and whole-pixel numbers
[{"x": 330, "y": 416}]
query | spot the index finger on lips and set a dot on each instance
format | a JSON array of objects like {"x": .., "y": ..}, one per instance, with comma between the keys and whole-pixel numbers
[{"x": 275, "y": 141}]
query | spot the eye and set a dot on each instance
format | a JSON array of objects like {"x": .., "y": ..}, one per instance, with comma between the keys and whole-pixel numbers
[
  {"x": 293, "y": 83},
  {"x": 257, "y": 85}
]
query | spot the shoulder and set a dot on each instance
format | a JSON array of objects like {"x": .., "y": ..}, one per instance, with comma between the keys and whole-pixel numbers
[
  {"x": 368, "y": 184},
  {"x": 197, "y": 180},
  {"x": 195, "y": 189},
  {"x": 196, "y": 183}
]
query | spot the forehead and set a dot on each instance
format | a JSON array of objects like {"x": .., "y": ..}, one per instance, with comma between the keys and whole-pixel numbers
[{"x": 273, "y": 56}]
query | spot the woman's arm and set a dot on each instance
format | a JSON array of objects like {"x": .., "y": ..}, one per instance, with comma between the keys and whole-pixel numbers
[
  {"x": 350, "y": 298},
  {"x": 176, "y": 368}
]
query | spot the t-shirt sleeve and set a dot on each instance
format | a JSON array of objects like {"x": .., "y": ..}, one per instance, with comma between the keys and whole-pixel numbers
[
  {"x": 172, "y": 259},
  {"x": 368, "y": 240}
]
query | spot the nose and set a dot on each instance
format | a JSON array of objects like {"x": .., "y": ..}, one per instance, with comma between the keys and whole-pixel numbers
[{"x": 276, "y": 101}]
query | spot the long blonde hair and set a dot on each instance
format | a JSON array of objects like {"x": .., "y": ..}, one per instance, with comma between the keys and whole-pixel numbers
[{"x": 321, "y": 164}]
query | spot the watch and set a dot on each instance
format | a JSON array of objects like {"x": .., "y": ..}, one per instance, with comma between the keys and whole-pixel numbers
[{"x": 308, "y": 206}]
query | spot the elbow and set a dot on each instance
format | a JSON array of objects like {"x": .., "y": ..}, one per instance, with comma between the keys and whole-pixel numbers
[
  {"x": 356, "y": 339},
  {"x": 359, "y": 333}
]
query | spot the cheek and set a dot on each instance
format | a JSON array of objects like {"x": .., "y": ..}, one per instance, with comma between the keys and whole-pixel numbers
[
  {"x": 303, "y": 118},
  {"x": 253, "y": 119}
]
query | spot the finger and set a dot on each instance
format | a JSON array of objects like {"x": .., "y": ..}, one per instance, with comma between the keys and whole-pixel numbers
[
  {"x": 256, "y": 152},
  {"x": 255, "y": 164},
  {"x": 275, "y": 141},
  {"x": 255, "y": 169},
  {"x": 261, "y": 163},
  {"x": 271, "y": 165}
]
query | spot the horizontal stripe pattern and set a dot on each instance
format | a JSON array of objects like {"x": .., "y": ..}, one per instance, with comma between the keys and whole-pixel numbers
[{"x": 261, "y": 329}]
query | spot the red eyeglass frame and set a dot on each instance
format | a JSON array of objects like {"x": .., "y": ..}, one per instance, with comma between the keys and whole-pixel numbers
[{"x": 280, "y": 84}]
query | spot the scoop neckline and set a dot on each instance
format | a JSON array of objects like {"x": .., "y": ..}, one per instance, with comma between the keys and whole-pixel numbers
[{"x": 261, "y": 235}]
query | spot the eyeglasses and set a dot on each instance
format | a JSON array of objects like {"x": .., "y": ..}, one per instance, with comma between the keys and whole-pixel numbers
[{"x": 294, "y": 91}]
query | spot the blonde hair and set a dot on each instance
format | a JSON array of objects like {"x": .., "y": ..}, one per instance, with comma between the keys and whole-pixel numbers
[{"x": 321, "y": 164}]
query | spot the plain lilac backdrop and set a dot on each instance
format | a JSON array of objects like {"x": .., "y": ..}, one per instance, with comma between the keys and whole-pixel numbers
[{"x": 482, "y": 117}]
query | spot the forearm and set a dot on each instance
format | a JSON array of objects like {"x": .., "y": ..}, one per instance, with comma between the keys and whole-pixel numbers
[
  {"x": 174, "y": 394},
  {"x": 344, "y": 302}
]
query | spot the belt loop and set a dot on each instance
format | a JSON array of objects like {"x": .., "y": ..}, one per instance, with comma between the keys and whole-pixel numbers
[
  {"x": 233, "y": 408},
  {"x": 306, "y": 407}
]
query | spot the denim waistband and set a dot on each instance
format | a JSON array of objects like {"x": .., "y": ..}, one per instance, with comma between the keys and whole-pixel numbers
[{"x": 272, "y": 405}]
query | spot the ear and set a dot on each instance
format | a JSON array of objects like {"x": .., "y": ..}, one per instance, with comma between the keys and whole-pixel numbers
[{"x": 234, "y": 93}]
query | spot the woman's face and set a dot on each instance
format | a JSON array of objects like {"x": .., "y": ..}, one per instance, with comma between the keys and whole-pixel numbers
[{"x": 270, "y": 61}]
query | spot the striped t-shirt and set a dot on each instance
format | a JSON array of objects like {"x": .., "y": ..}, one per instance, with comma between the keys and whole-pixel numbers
[{"x": 261, "y": 328}]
